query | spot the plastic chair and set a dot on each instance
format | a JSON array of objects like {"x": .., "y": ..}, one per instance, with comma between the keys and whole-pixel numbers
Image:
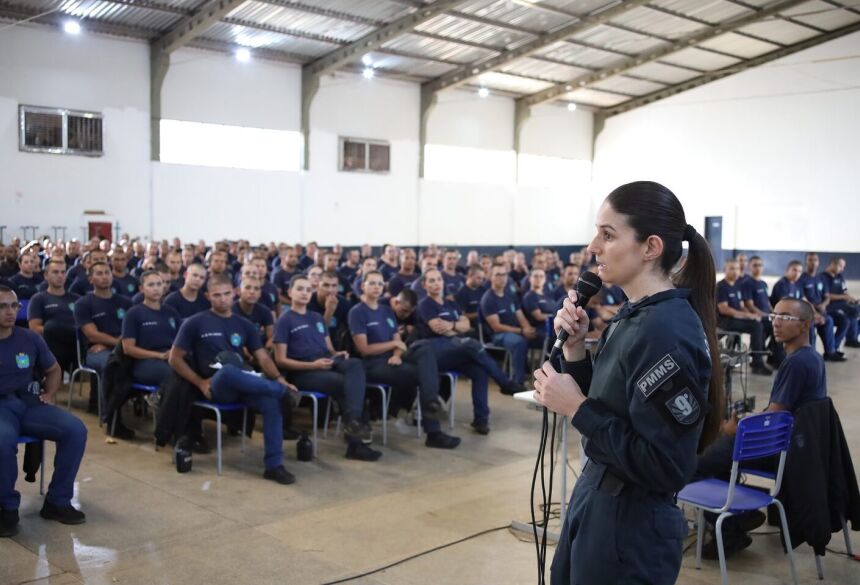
[
  {"x": 385, "y": 391},
  {"x": 758, "y": 435},
  {"x": 22, "y": 310},
  {"x": 25, "y": 439},
  {"x": 315, "y": 397},
  {"x": 508, "y": 360},
  {"x": 139, "y": 388},
  {"x": 83, "y": 368},
  {"x": 218, "y": 408}
]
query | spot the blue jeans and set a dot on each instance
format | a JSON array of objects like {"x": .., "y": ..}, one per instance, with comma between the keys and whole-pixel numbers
[
  {"x": 519, "y": 347},
  {"x": 231, "y": 384},
  {"x": 150, "y": 372},
  {"x": 97, "y": 360},
  {"x": 24, "y": 414},
  {"x": 845, "y": 314},
  {"x": 826, "y": 333},
  {"x": 346, "y": 382}
]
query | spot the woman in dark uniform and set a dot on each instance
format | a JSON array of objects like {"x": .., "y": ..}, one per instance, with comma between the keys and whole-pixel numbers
[{"x": 649, "y": 401}]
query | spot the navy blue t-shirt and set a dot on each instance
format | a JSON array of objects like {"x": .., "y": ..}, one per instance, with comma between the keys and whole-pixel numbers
[
  {"x": 756, "y": 291},
  {"x": 505, "y": 307},
  {"x": 25, "y": 287},
  {"x": 611, "y": 295},
  {"x": 400, "y": 281},
  {"x": 834, "y": 285},
  {"x": 388, "y": 271},
  {"x": 469, "y": 298},
  {"x": 281, "y": 279},
  {"x": 453, "y": 283},
  {"x": 76, "y": 272},
  {"x": 347, "y": 272},
  {"x": 729, "y": 293},
  {"x": 813, "y": 288},
  {"x": 127, "y": 285},
  {"x": 184, "y": 307},
  {"x": 428, "y": 309},
  {"x": 48, "y": 307},
  {"x": 341, "y": 312},
  {"x": 260, "y": 316},
  {"x": 800, "y": 379},
  {"x": 81, "y": 286},
  {"x": 419, "y": 289},
  {"x": 106, "y": 314},
  {"x": 21, "y": 354},
  {"x": 305, "y": 335},
  {"x": 378, "y": 324},
  {"x": 532, "y": 301},
  {"x": 206, "y": 334},
  {"x": 269, "y": 295},
  {"x": 152, "y": 330},
  {"x": 559, "y": 293},
  {"x": 783, "y": 288}
]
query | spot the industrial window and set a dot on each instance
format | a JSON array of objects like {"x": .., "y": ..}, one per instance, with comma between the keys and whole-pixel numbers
[
  {"x": 363, "y": 155},
  {"x": 59, "y": 131}
]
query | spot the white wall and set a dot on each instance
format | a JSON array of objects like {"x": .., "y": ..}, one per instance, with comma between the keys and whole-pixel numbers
[
  {"x": 773, "y": 150},
  {"x": 45, "y": 68}
]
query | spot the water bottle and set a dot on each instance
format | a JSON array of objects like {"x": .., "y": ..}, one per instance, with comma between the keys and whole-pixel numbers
[
  {"x": 182, "y": 456},
  {"x": 304, "y": 448}
]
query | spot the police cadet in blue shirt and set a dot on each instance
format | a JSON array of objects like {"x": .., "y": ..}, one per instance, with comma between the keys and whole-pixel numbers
[
  {"x": 453, "y": 280},
  {"x": 124, "y": 283},
  {"x": 190, "y": 299},
  {"x": 207, "y": 336},
  {"x": 417, "y": 285},
  {"x": 388, "y": 261},
  {"x": 162, "y": 270},
  {"x": 368, "y": 264},
  {"x": 99, "y": 316},
  {"x": 387, "y": 360},
  {"x": 567, "y": 282},
  {"x": 813, "y": 291},
  {"x": 282, "y": 275},
  {"x": 268, "y": 291},
  {"x": 333, "y": 307},
  {"x": 50, "y": 314},
  {"x": 406, "y": 275},
  {"x": 642, "y": 407},
  {"x": 442, "y": 323},
  {"x": 788, "y": 285},
  {"x": 508, "y": 325},
  {"x": 25, "y": 358},
  {"x": 81, "y": 284},
  {"x": 841, "y": 303},
  {"x": 249, "y": 307},
  {"x": 801, "y": 378},
  {"x": 537, "y": 306},
  {"x": 304, "y": 349},
  {"x": 733, "y": 316},
  {"x": 469, "y": 297},
  {"x": 26, "y": 282},
  {"x": 757, "y": 301}
]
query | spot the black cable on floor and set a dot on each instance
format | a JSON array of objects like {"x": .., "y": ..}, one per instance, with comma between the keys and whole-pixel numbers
[{"x": 416, "y": 555}]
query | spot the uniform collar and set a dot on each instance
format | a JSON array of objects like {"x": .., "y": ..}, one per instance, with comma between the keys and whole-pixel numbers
[{"x": 628, "y": 308}]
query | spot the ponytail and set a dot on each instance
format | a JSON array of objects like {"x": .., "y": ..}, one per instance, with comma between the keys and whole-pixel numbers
[
  {"x": 652, "y": 209},
  {"x": 699, "y": 275}
]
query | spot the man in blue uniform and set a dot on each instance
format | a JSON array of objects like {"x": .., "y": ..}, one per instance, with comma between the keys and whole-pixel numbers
[
  {"x": 388, "y": 262},
  {"x": 840, "y": 301},
  {"x": 333, "y": 307},
  {"x": 27, "y": 409},
  {"x": 26, "y": 282},
  {"x": 801, "y": 378},
  {"x": 788, "y": 286},
  {"x": 469, "y": 296},
  {"x": 417, "y": 286},
  {"x": 208, "y": 336},
  {"x": 350, "y": 267},
  {"x": 281, "y": 276},
  {"x": 813, "y": 291},
  {"x": 190, "y": 299},
  {"x": 757, "y": 301},
  {"x": 268, "y": 291},
  {"x": 50, "y": 314},
  {"x": 124, "y": 283},
  {"x": 454, "y": 281},
  {"x": 368, "y": 264},
  {"x": 99, "y": 316},
  {"x": 249, "y": 307},
  {"x": 330, "y": 264},
  {"x": 406, "y": 275},
  {"x": 566, "y": 283},
  {"x": 734, "y": 317},
  {"x": 505, "y": 319},
  {"x": 78, "y": 276},
  {"x": 538, "y": 307}
]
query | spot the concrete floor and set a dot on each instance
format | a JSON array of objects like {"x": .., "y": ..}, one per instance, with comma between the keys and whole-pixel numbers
[{"x": 147, "y": 524}]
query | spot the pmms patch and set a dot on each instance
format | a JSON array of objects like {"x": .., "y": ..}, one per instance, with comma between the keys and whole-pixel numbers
[{"x": 657, "y": 375}]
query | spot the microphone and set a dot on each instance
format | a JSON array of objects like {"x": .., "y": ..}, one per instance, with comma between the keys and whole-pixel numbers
[{"x": 588, "y": 285}]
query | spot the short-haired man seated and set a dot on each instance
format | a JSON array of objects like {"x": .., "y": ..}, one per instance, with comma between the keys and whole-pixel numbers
[
  {"x": 788, "y": 285},
  {"x": 190, "y": 299},
  {"x": 733, "y": 316},
  {"x": 841, "y": 302},
  {"x": 124, "y": 283},
  {"x": 812, "y": 286},
  {"x": 99, "y": 315},
  {"x": 505, "y": 319},
  {"x": 454, "y": 281},
  {"x": 26, "y": 281},
  {"x": 756, "y": 300},
  {"x": 51, "y": 315},
  {"x": 801, "y": 378},
  {"x": 218, "y": 337},
  {"x": 249, "y": 307},
  {"x": 469, "y": 296},
  {"x": 78, "y": 276},
  {"x": 538, "y": 307},
  {"x": 367, "y": 265},
  {"x": 26, "y": 409},
  {"x": 333, "y": 307},
  {"x": 387, "y": 360},
  {"x": 566, "y": 283},
  {"x": 304, "y": 349},
  {"x": 407, "y": 273}
]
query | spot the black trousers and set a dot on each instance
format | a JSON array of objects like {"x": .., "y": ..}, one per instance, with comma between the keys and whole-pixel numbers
[
  {"x": 755, "y": 330},
  {"x": 345, "y": 382},
  {"x": 60, "y": 338}
]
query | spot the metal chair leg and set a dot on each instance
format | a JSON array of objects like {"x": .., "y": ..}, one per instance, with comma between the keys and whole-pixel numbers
[
  {"x": 700, "y": 536},
  {"x": 818, "y": 568},
  {"x": 244, "y": 429},
  {"x": 847, "y": 538},
  {"x": 218, "y": 436},
  {"x": 787, "y": 537},
  {"x": 718, "y": 530}
]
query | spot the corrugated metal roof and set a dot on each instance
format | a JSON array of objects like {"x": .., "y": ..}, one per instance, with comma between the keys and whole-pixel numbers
[
  {"x": 823, "y": 15},
  {"x": 440, "y": 49},
  {"x": 544, "y": 69},
  {"x": 250, "y": 37},
  {"x": 663, "y": 72},
  {"x": 283, "y": 17},
  {"x": 780, "y": 31},
  {"x": 657, "y": 23},
  {"x": 593, "y": 97},
  {"x": 511, "y": 83},
  {"x": 519, "y": 14},
  {"x": 579, "y": 55},
  {"x": 700, "y": 59},
  {"x": 474, "y": 32},
  {"x": 374, "y": 9},
  {"x": 739, "y": 45},
  {"x": 627, "y": 85},
  {"x": 619, "y": 40},
  {"x": 709, "y": 10}
]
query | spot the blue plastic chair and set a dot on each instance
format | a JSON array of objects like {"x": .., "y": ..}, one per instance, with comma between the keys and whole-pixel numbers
[
  {"x": 507, "y": 360},
  {"x": 315, "y": 398},
  {"x": 23, "y": 440},
  {"x": 22, "y": 310},
  {"x": 218, "y": 408},
  {"x": 759, "y": 435},
  {"x": 82, "y": 367},
  {"x": 138, "y": 388}
]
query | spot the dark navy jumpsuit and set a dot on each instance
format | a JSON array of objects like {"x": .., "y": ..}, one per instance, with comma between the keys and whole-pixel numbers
[{"x": 647, "y": 399}]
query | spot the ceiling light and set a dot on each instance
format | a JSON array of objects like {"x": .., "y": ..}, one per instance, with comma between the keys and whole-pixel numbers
[
  {"x": 483, "y": 92},
  {"x": 368, "y": 73},
  {"x": 72, "y": 27},
  {"x": 571, "y": 107},
  {"x": 243, "y": 55},
  {"x": 367, "y": 60}
]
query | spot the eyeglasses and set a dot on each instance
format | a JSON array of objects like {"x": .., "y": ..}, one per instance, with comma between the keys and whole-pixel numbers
[
  {"x": 775, "y": 317},
  {"x": 7, "y": 306}
]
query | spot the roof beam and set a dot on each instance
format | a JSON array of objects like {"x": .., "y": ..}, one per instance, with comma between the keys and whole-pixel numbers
[
  {"x": 328, "y": 12},
  {"x": 377, "y": 38},
  {"x": 684, "y": 42},
  {"x": 17, "y": 13},
  {"x": 731, "y": 70},
  {"x": 194, "y": 25},
  {"x": 468, "y": 72}
]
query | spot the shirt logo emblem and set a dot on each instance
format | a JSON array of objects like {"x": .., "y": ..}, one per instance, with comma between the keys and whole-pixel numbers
[
  {"x": 320, "y": 327},
  {"x": 130, "y": 287},
  {"x": 236, "y": 340},
  {"x": 120, "y": 314},
  {"x": 390, "y": 322},
  {"x": 71, "y": 306},
  {"x": 657, "y": 375},
  {"x": 172, "y": 322},
  {"x": 684, "y": 407},
  {"x": 513, "y": 309},
  {"x": 22, "y": 360}
]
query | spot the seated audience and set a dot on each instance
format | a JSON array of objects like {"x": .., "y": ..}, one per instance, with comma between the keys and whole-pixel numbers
[
  {"x": 406, "y": 275},
  {"x": 282, "y": 275},
  {"x": 268, "y": 292},
  {"x": 350, "y": 266},
  {"x": 249, "y": 307},
  {"x": 26, "y": 281},
  {"x": 330, "y": 264},
  {"x": 417, "y": 286},
  {"x": 469, "y": 296},
  {"x": 78, "y": 276},
  {"x": 25, "y": 410},
  {"x": 9, "y": 267},
  {"x": 452, "y": 278},
  {"x": 190, "y": 299},
  {"x": 566, "y": 283},
  {"x": 333, "y": 307},
  {"x": 841, "y": 303},
  {"x": 218, "y": 337},
  {"x": 733, "y": 316},
  {"x": 124, "y": 283},
  {"x": 368, "y": 264},
  {"x": 404, "y": 305},
  {"x": 388, "y": 262},
  {"x": 387, "y": 360},
  {"x": 756, "y": 301},
  {"x": 538, "y": 307},
  {"x": 788, "y": 286},
  {"x": 519, "y": 268},
  {"x": 304, "y": 350},
  {"x": 51, "y": 315},
  {"x": 506, "y": 322},
  {"x": 813, "y": 291},
  {"x": 162, "y": 270}
]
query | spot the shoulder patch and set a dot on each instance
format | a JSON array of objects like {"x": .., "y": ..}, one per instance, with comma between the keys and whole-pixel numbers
[
  {"x": 657, "y": 375},
  {"x": 684, "y": 407}
]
